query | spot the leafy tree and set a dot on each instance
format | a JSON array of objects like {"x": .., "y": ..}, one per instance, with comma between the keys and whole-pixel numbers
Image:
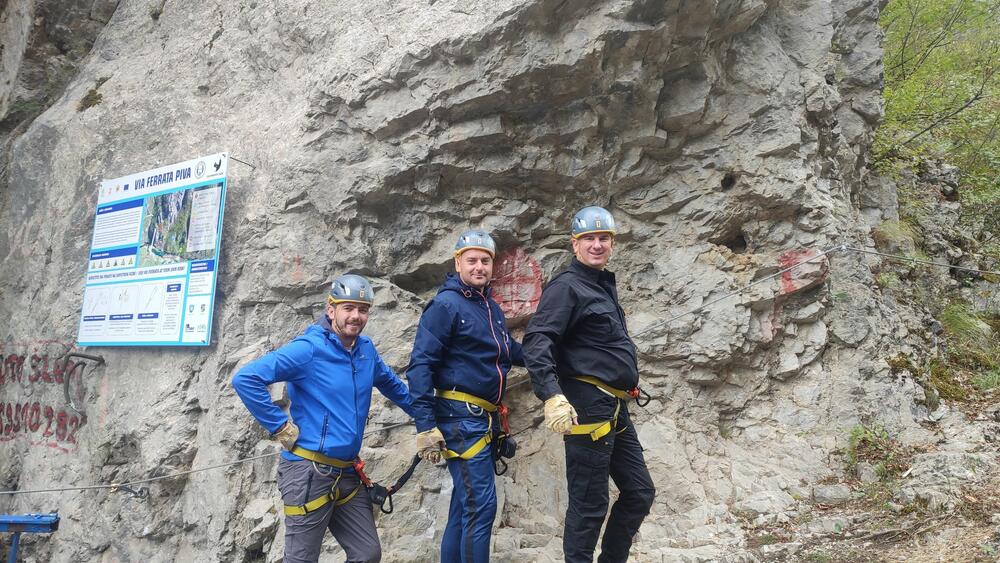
[{"x": 942, "y": 95}]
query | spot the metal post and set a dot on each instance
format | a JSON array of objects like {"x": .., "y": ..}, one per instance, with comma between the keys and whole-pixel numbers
[{"x": 14, "y": 540}]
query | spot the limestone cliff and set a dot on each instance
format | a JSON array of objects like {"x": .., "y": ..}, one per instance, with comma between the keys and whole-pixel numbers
[{"x": 728, "y": 137}]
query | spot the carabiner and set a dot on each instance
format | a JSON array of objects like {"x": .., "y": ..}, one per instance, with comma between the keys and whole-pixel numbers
[{"x": 643, "y": 399}]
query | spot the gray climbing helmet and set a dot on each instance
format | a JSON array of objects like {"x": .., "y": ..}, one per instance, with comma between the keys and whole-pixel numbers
[
  {"x": 592, "y": 219},
  {"x": 351, "y": 288},
  {"x": 475, "y": 239}
]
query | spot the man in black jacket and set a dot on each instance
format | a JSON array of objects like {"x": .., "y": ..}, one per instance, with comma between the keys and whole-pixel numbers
[{"x": 581, "y": 360}]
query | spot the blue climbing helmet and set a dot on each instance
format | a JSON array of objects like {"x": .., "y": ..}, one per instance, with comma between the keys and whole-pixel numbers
[
  {"x": 593, "y": 219},
  {"x": 477, "y": 239},
  {"x": 351, "y": 288}
]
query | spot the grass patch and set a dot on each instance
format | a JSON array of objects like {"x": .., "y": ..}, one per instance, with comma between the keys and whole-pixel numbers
[
  {"x": 966, "y": 329},
  {"x": 895, "y": 236},
  {"x": 873, "y": 445},
  {"x": 887, "y": 280},
  {"x": 987, "y": 381},
  {"x": 944, "y": 380},
  {"x": 93, "y": 96},
  {"x": 900, "y": 363}
]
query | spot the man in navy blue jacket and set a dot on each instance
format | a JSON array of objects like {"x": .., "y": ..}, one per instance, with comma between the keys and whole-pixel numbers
[
  {"x": 329, "y": 372},
  {"x": 457, "y": 376}
]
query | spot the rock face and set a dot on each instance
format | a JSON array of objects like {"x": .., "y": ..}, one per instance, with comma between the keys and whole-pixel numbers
[{"x": 728, "y": 137}]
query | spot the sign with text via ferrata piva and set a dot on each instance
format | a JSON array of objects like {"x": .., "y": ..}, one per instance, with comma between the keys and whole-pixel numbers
[{"x": 154, "y": 256}]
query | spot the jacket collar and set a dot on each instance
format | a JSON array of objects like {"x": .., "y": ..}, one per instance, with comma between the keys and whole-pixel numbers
[
  {"x": 452, "y": 282},
  {"x": 323, "y": 322},
  {"x": 592, "y": 274}
]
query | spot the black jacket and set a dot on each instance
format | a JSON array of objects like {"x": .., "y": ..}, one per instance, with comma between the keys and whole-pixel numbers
[{"x": 579, "y": 329}]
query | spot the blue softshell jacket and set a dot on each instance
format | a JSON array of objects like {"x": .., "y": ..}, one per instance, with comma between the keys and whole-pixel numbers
[
  {"x": 329, "y": 386},
  {"x": 462, "y": 344}
]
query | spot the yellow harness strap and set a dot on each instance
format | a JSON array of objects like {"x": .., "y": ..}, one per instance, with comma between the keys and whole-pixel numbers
[
  {"x": 598, "y": 430},
  {"x": 602, "y": 385},
  {"x": 320, "y": 502},
  {"x": 320, "y": 458},
  {"x": 474, "y": 448},
  {"x": 465, "y": 398},
  {"x": 472, "y": 451}
]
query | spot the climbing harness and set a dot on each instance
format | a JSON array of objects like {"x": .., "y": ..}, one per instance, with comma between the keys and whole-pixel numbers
[
  {"x": 380, "y": 494},
  {"x": 474, "y": 448},
  {"x": 597, "y": 430},
  {"x": 641, "y": 397},
  {"x": 505, "y": 447},
  {"x": 317, "y": 457},
  {"x": 333, "y": 495}
]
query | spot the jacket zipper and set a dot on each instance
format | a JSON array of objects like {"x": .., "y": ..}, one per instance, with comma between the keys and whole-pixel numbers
[
  {"x": 489, "y": 315},
  {"x": 322, "y": 439},
  {"x": 354, "y": 384}
]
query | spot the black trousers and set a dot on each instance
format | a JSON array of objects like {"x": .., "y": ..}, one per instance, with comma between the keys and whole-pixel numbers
[{"x": 589, "y": 464}]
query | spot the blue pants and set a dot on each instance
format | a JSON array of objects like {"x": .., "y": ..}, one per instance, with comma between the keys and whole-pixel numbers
[{"x": 474, "y": 496}]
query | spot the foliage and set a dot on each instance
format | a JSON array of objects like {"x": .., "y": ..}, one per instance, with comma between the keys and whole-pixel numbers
[
  {"x": 887, "y": 280},
  {"x": 93, "y": 96},
  {"x": 942, "y": 95},
  {"x": 894, "y": 236},
  {"x": 965, "y": 329},
  {"x": 987, "y": 381},
  {"x": 970, "y": 368},
  {"x": 873, "y": 445}
]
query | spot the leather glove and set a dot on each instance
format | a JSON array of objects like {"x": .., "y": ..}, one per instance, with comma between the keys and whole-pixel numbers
[
  {"x": 430, "y": 443},
  {"x": 287, "y": 435},
  {"x": 560, "y": 416}
]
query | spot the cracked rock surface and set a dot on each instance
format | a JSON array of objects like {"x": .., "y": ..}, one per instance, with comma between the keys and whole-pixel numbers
[{"x": 728, "y": 138}]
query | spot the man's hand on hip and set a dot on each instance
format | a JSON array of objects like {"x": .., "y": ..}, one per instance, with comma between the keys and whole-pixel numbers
[
  {"x": 560, "y": 416},
  {"x": 287, "y": 435},
  {"x": 430, "y": 444}
]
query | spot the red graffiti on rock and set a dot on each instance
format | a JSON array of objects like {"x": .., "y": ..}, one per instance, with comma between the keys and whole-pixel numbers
[
  {"x": 517, "y": 284},
  {"x": 806, "y": 275}
]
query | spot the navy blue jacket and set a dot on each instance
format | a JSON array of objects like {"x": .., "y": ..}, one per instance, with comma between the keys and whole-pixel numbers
[
  {"x": 329, "y": 386},
  {"x": 462, "y": 344}
]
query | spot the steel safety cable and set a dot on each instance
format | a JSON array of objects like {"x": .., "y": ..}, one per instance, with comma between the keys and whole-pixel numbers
[
  {"x": 918, "y": 261},
  {"x": 128, "y": 484}
]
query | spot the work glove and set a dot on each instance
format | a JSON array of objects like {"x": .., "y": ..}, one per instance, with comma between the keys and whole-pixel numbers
[
  {"x": 430, "y": 443},
  {"x": 287, "y": 435},
  {"x": 560, "y": 416}
]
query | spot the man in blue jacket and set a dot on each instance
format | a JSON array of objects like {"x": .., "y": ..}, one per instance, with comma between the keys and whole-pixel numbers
[
  {"x": 458, "y": 375},
  {"x": 329, "y": 372}
]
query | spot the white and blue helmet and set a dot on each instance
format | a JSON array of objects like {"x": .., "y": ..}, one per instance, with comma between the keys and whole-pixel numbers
[
  {"x": 351, "y": 288},
  {"x": 593, "y": 219},
  {"x": 476, "y": 239}
]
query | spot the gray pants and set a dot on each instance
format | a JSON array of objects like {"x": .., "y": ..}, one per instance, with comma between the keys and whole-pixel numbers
[{"x": 352, "y": 524}]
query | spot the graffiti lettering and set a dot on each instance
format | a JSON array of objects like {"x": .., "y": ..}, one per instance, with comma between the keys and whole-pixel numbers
[
  {"x": 17, "y": 419},
  {"x": 41, "y": 368}
]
